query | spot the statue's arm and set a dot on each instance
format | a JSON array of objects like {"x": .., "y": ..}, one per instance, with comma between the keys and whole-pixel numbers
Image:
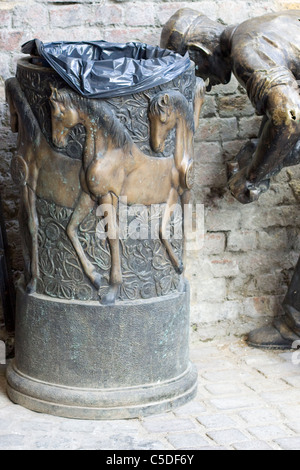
[{"x": 280, "y": 133}]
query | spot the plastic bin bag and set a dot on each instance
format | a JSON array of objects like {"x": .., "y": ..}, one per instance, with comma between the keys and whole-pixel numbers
[{"x": 100, "y": 69}]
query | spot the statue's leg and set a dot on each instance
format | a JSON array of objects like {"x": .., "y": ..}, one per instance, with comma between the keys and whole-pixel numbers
[
  {"x": 163, "y": 232},
  {"x": 83, "y": 208},
  {"x": 114, "y": 243},
  {"x": 284, "y": 330}
]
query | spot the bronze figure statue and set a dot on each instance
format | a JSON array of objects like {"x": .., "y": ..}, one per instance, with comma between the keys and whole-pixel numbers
[
  {"x": 264, "y": 55},
  {"x": 114, "y": 167}
]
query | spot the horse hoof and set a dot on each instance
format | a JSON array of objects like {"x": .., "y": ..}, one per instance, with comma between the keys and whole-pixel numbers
[
  {"x": 31, "y": 287},
  {"x": 179, "y": 269},
  {"x": 96, "y": 280},
  {"x": 108, "y": 300},
  {"x": 110, "y": 297}
]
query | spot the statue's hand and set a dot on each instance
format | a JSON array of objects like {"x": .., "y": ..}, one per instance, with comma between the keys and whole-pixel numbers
[{"x": 245, "y": 191}]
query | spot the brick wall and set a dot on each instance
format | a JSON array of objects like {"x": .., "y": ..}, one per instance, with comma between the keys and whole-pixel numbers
[{"x": 240, "y": 276}]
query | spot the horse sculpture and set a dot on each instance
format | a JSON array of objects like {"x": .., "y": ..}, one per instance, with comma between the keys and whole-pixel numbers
[
  {"x": 114, "y": 166},
  {"x": 33, "y": 166}
]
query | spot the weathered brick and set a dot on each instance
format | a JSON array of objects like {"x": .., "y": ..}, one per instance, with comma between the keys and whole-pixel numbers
[
  {"x": 262, "y": 306},
  {"x": 271, "y": 284},
  {"x": 211, "y": 289},
  {"x": 212, "y": 175},
  {"x": 228, "y": 89},
  {"x": 228, "y": 129},
  {"x": 232, "y": 12},
  {"x": 11, "y": 40},
  {"x": 214, "y": 243},
  {"x": 224, "y": 266},
  {"x": 274, "y": 239},
  {"x": 281, "y": 216},
  {"x": 124, "y": 34},
  {"x": 219, "y": 220},
  {"x": 241, "y": 286},
  {"x": 107, "y": 15},
  {"x": 5, "y": 16},
  {"x": 242, "y": 241},
  {"x": 140, "y": 14},
  {"x": 249, "y": 127},
  {"x": 213, "y": 312},
  {"x": 208, "y": 130},
  {"x": 232, "y": 148},
  {"x": 63, "y": 16},
  {"x": 25, "y": 16},
  {"x": 235, "y": 105},
  {"x": 207, "y": 152},
  {"x": 209, "y": 108}
]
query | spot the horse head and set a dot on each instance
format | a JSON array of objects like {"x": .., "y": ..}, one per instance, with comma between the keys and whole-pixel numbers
[
  {"x": 64, "y": 116},
  {"x": 162, "y": 119}
]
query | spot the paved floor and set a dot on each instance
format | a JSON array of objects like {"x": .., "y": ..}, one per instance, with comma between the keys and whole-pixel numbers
[{"x": 247, "y": 399}]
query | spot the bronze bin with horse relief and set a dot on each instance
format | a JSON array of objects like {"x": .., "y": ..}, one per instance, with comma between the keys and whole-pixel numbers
[{"x": 102, "y": 321}]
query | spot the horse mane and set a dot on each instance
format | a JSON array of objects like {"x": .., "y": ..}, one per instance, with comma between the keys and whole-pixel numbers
[
  {"x": 16, "y": 97},
  {"x": 100, "y": 112},
  {"x": 177, "y": 101}
]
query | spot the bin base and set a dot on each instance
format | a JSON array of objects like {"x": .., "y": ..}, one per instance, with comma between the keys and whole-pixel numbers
[
  {"x": 87, "y": 361},
  {"x": 90, "y": 404}
]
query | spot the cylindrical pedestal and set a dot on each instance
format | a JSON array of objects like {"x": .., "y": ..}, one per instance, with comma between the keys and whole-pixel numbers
[
  {"x": 87, "y": 346},
  {"x": 82, "y": 360}
]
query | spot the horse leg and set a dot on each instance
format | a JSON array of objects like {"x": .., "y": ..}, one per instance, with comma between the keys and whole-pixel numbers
[
  {"x": 84, "y": 206},
  {"x": 29, "y": 199},
  {"x": 113, "y": 239},
  {"x": 185, "y": 202},
  {"x": 171, "y": 203},
  {"x": 23, "y": 224}
]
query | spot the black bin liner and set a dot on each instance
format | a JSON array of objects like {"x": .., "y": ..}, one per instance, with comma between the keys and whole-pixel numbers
[{"x": 101, "y": 69}]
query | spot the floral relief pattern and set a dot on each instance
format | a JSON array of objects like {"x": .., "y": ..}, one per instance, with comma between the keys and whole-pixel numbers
[{"x": 146, "y": 268}]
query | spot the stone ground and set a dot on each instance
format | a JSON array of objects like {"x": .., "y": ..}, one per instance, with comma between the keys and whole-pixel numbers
[{"x": 248, "y": 399}]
